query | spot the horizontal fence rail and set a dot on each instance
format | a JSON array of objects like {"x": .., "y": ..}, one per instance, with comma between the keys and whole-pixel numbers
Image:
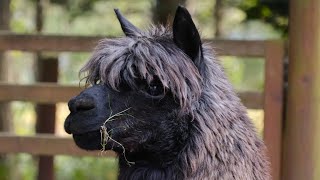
[
  {"x": 38, "y": 42},
  {"x": 53, "y": 93},
  {"x": 39, "y": 92},
  {"x": 45, "y": 144}
]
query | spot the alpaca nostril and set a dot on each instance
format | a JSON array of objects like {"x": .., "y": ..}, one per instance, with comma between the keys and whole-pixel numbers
[
  {"x": 84, "y": 106},
  {"x": 81, "y": 104}
]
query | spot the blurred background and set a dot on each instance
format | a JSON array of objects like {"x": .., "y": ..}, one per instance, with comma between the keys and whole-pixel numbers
[{"x": 219, "y": 19}]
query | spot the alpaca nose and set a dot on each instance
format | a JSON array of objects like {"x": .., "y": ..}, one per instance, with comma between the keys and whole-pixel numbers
[{"x": 81, "y": 104}]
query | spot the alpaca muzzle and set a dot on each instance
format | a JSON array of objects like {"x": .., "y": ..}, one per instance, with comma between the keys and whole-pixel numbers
[{"x": 87, "y": 111}]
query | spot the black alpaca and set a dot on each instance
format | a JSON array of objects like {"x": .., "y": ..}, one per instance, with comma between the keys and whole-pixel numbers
[{"x": 161, "y": 101}]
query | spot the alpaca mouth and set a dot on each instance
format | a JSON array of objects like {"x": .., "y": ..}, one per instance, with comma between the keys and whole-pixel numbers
[
  {"x": 89, "y": 140},
  {"x": 80, "y": 123},
  {"x": 98, "y": 135},
  {"x": 97, "y": 140},
  {"x": 101, "y": 138}
]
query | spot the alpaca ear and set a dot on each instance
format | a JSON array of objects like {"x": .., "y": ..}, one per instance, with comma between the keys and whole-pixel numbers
[
  {"x": 129, "y": 29},
  {"x": 186, "y": 35}
]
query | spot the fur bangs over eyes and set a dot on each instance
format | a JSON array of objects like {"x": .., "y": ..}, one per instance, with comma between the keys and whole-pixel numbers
[{"x": 130, "y": 59}]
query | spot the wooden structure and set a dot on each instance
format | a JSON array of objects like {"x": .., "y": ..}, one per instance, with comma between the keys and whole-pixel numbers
[
  {"x": 271, "y": 100},
  {"x": 302, "y": 124},
  {"x": 46, "y": 71},
  {"x": 5, "y": 110}
]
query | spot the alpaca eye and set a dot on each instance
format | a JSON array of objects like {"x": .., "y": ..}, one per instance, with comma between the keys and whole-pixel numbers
[{"x": 155, "y": 90}]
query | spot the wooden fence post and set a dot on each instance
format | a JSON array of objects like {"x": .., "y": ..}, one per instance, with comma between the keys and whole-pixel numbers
[
  {"x": 302, "y": 125},
  {"x": 46, "y": 113},
  {"x": 47, "y": 71},
  {"x": 273, "y": 104}
]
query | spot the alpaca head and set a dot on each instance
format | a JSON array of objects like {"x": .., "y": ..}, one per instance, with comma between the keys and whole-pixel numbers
[
  {"x": 142, "y": 90},
  {"x": 159, "y": 98}
]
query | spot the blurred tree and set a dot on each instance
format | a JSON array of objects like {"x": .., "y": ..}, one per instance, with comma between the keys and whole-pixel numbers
[
  {"x": 4, "y": 66},
  {"x": 5, "y": 110},
  {"x": 217, "y": 18},
  {"x": 274, "y": 12},
  {"x": 4, "y": 14},
  {"x": 164, "y": 10},
  {"x": 76, "y": 8}
]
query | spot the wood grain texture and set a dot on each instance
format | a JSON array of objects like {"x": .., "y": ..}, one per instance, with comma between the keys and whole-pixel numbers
[
  {"x": 301, "y": 157},
  {"x": 273, "y": 104},
  {"x": 40, "y": 92},
  {"x": 44, "y": 144},
  {"x": 37, "y": 42}
]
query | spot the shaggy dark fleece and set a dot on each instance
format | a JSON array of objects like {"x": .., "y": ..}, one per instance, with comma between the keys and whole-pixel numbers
[{"x": 160, "y": 99}]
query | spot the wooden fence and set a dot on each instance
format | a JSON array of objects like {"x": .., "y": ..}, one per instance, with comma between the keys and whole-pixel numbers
[{"x": 271, "y": 100}]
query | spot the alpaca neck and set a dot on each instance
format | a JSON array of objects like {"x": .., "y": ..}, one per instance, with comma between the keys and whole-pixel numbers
[{"x": 144, "y": 170}]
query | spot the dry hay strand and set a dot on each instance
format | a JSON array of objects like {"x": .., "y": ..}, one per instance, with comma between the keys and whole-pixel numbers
[{"x": 105, "y": 134}]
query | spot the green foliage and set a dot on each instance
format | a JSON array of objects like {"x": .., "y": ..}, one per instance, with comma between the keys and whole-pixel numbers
[
  {"x": 18, "y": 166},
  {"x": 23, "y": 118},
  {"x": 69, "y": 66},
  {"x": 100, "y": 21},
  {"x": 22, "y": 13},
  {"x": 4, "y": 169},
  {"x": 274, "y": 12},
  {"x": 23, "y": 166},
  {"x": 203, "y": 17},
  {"x": 234, "y": 70},
  {"x": 85, "y": 168},
  {"x": 244, "y": 73},
  {"x": 26, "y": 166},
  {"x": 76, "y": 8}
]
